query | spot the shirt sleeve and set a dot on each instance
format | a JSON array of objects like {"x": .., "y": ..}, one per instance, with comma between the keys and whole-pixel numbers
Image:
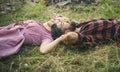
[
  {"x": 82, "y": 39},
  {"x": 47, "y": 36}
]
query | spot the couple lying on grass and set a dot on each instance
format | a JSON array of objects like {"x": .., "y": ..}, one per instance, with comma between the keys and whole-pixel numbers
[{"x": 57, "y": 30}]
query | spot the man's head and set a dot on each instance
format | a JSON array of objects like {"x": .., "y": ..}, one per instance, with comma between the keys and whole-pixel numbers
[{"x": 61, "y": 25}]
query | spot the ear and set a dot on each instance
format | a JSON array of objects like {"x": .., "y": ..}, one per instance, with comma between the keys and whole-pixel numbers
[{"x": 66, "y": 31}]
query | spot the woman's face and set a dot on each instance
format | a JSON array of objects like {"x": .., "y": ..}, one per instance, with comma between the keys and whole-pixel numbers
[
  {"x": 59, "y": 26},
  {"x": 64, "y": 26},
  {"x": 62, "y": 22}
]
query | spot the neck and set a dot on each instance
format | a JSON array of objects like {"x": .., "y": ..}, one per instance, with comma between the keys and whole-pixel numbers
[
  {"x": 47, "y": 26},
  {"x": 78, "y": 29}
]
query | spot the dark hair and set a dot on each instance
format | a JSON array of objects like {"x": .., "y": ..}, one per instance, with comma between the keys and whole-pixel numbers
[
  {"x": 73, "y": 26},
  {"x": 55, "y": 31}
]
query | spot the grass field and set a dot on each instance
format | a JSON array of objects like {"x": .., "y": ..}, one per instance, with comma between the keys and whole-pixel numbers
[{"x": 102, "y": 58}]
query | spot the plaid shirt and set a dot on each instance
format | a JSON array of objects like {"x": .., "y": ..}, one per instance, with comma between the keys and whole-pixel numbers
[{"x": 98, "y": 30}]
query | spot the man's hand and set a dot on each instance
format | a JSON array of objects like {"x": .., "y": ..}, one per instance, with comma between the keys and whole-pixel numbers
[{"x": 69, "y": 38}]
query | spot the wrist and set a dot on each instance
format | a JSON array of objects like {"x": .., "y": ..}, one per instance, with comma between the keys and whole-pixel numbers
[{"x": 60, "y": 39}]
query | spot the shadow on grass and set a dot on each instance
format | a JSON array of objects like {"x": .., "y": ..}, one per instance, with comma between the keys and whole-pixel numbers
[
  {"x": 79, "y": 48},
  {"x": 85, "y": 48}
]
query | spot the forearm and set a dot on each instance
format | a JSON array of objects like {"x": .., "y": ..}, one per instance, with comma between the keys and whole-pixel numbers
[{"x": 49, "y": 46}]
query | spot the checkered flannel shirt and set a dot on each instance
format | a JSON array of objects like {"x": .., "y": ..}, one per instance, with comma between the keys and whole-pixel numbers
[{"x": 98, "y": 30}]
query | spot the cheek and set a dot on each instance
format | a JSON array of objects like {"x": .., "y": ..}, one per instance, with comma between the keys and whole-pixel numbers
[{"x": 59, "y": 25}]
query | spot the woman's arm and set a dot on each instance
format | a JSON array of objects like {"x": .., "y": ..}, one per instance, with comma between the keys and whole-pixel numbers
[
  {"x": 47, "y": 46},
  {"x": 68, "y": 38}
]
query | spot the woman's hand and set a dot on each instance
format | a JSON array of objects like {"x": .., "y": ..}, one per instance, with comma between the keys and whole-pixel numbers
[{"x": 70, "y": 38}]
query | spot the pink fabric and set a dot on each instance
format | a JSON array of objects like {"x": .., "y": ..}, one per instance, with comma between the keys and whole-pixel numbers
[{"x": 13, "y": 36}]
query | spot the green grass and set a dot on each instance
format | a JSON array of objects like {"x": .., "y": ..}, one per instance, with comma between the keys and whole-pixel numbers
[{"x": 102, "y": 58}]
